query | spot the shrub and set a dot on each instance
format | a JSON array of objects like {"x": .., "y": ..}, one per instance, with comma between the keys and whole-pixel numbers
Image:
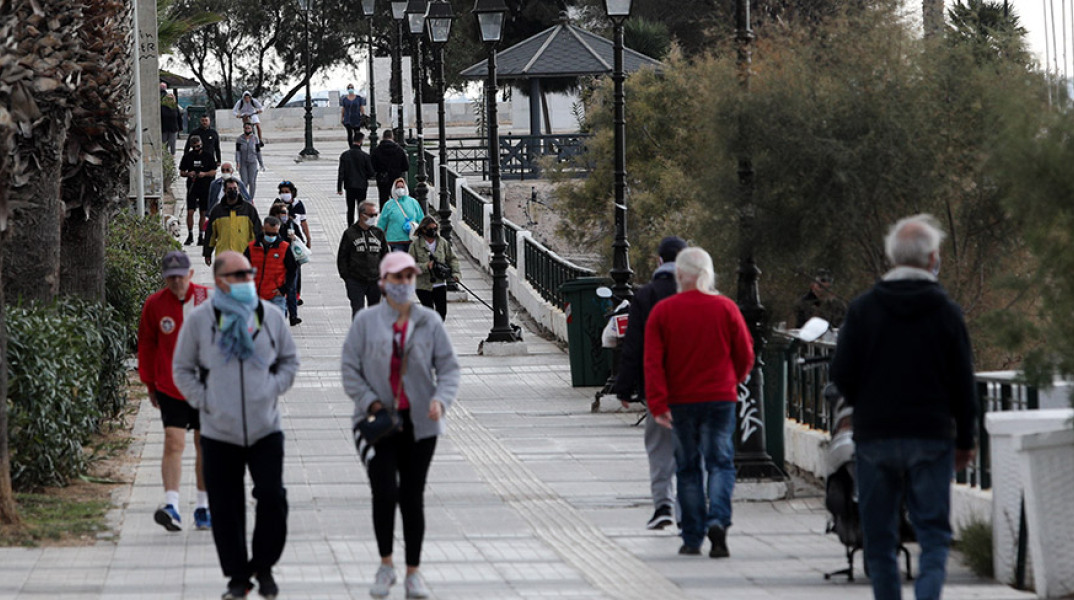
[
  {"x": 168, "y": 170},
  {"x": 132, "y": 267},
  {"x": 66, "y": 375},
  {"x": 975, "y": 544}
]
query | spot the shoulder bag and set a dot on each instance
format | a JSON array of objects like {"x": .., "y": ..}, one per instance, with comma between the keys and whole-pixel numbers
[{"x": 380, "y": 425}]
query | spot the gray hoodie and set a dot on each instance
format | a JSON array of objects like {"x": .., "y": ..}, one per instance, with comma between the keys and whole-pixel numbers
[
  {"x": 432, "y": 372},
  {"x": 237, "y": 399}
]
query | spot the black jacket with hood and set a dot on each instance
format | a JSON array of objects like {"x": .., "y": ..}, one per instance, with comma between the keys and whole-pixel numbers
[
  {"x": 631, "y": 377},
  {"x": 904, "y": 362}
]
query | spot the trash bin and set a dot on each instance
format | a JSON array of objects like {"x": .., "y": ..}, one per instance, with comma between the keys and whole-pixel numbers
[
  {"x": 194, "y": 115},
  {"x": 590, "y": 362},
  {"x": 412, "y": 158}
]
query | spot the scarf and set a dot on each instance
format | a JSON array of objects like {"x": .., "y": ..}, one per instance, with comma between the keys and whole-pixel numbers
[{"x": 236, "y": 339}]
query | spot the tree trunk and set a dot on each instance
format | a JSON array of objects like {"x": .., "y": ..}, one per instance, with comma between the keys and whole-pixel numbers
[
  {"x": 82, "y": 255},
  {"x": 932, "y": 17},
  {"x": 32, "y": 261},
  {"x": 8, "y": 514}
]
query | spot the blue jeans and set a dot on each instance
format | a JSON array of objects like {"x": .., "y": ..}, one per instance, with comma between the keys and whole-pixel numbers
[
  {"x": 919, "y": 470},
  {"x": 280, "y": 302},
  {"x": 704, "y": 432}
]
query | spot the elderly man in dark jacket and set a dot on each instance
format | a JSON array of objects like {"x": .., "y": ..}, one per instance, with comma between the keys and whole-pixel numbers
[
  {"x": 358, "y": 258},
  {"x": 630, "y": 384},
  {"x": 903, "y": 362},
  {"x": 355, "y": 171},
  {"x": 389, "y": 162}
]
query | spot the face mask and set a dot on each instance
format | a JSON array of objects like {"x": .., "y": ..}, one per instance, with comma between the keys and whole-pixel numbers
[
  {"x": 283, "y": 218},
  {"x": 350, "y": 90},
  {"x": 244, "y": 292},
  {"x": 231, "y": 195},
  {"x": 286, "y": 197},
  {"x": 399, "y": 192},
  {"x": 370, "y": 221},
  {"x": 400, "y": 293},
  {"x": 430, "y": 233},
  {"x": 270, "y": 239}
]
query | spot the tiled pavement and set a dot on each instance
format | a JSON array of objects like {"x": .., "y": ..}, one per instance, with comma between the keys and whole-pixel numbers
[{"x": 530, "y": 495}]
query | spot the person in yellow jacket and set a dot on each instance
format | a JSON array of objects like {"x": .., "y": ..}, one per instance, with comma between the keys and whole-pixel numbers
[{"x": 233, "y": 223}]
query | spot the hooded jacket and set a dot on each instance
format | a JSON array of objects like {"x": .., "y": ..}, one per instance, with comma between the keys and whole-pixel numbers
[
  {"x": 432, "y": 371},
  {"x": 904, "y": 362},
  {"x": 359, "y": 254},
  {"x": 231, "y": 227},
  {"x": 237, "y": 399},
  {"x": 389, "y": 160},
  {"x": 395, "y": 213},
  {"x": 632, "y": 362}
]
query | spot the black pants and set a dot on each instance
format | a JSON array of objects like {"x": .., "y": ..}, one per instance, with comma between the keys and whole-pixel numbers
[
  {"x": 435, "y": 298},
  {"x": 351, "y": 130},
  {"x": 397, "y": 477},
  {"x": 384, "y": 190},
  {"x": 355, "y": 196},
  {"x": 361, "y": 294},
  {"x": 225, "y": 468}
]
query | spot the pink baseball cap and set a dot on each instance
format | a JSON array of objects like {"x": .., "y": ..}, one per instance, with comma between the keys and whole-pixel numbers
[{"x": 397, "y": 262}]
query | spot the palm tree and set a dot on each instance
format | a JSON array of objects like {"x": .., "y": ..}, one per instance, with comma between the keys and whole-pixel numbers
[
  {"x": 176, "y": 20},
  {"x": 991, "y": 28}
]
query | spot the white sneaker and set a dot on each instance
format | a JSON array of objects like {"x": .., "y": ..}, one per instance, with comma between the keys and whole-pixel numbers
[
  {"x": 383, "y": 582},
  {"x": 415, "y": 586}
]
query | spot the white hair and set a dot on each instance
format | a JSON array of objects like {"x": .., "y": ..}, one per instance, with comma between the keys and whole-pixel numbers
[
  {"x": 911, "y": 241},
  {"x": 694, "y": 266}
]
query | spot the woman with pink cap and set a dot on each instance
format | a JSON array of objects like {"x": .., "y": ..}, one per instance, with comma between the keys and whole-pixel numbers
[{"x": 397, "y": 356}]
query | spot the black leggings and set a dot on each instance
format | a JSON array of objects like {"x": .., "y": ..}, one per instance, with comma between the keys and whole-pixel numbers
[
  {"x": 435, "y": 298},
  {"x": 397, "y": 476}
]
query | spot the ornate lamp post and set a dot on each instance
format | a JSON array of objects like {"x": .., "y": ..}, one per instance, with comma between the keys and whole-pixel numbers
[
  {"x": 490, "y": 17},
  {"x": 309, "y": 152},
  {"x": 368, "y": 10},
  {"x": 398, "y": 12},
  {"x": 619, "y": 11},
  {"x": 751, "y": 456},
  {"x": 439, "y": 25},
  {"x": 415, "y": 14}
]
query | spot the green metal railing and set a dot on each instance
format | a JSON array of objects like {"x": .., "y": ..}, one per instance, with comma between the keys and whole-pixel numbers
[
  {"x": 452, "y": 179},
  {"x": 473, "y": 210},
  {"x": 510, "y": 235},
  {"x": 546, "y": 272}
]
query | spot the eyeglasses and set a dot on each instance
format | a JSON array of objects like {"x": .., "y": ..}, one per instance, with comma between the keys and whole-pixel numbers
[
  {"x": 372, "y": 214},
  {"x": 241, "y": 274}
]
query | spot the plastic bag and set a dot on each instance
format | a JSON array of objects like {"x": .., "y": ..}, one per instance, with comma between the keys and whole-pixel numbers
[{"x": 301, "y": 251}]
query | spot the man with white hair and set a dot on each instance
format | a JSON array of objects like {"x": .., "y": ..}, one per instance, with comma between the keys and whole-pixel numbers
[
  {"x": 903, "y": 361},
  {"x": 697, "y": 352}
]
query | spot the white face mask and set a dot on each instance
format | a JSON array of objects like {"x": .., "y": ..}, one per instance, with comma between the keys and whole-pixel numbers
[
  {"x": 399, "y": 192},
  {"x": 370, "y": 221},
  {"x": 286, "y": 196}
]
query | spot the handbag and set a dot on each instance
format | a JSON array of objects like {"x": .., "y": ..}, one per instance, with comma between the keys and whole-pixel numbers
[
  {"x": 408, "y": 224},
  {"x": 379, "y": 425}
]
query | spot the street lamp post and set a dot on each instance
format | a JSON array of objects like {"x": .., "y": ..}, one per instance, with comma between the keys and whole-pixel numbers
[
  {"x": 619, "y": 11},
  {"x": 751, "y": 456},
  {"x": 398, "y": 12},
  {"x": 368, "y": 10},
  {"x": 439, "y": 22},
  {"x": 415, "y": 13},
  {"x": 309, "y": 152},
  {"x": 490, "y": 17}
]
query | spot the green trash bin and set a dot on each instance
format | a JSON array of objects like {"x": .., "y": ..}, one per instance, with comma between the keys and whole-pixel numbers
[
  {"x": 590, "y": 362},
  {"x": 194, "y": 114},
  {"x": 412, "y": 158}
]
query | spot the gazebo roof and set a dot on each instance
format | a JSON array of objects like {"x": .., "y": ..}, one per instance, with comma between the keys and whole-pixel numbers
[{"x": 561, "y": 51}]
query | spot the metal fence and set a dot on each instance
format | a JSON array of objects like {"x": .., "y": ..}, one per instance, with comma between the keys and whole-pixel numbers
[
  {"x": 431, "y": 160},
  {"x": 452, "y": 179},
  {"x": 510, "y": 235},
  {"x": 520, "y": 155},
  {"x": 804, "y": 382},
  {"x": 473, "y": 210},
  {"x": 546, "y": 272}
]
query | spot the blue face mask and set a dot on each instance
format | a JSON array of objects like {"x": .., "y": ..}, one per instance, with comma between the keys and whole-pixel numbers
[
  {"x": 244, "y": 292},
  {"x": 270, "y": 239}
]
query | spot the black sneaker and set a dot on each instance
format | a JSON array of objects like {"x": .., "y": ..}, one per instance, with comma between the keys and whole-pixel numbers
[
  {"x": 718, "y": 537},
  {"x": 299, "y": 302},
  {"x": 661, "y": 518},
  {"x": 201, "y": 240},
  {"x": 295, "y": 321},
  {"x": 266, "y": 586},
  {"x": 189, "y": 239},
  {"x": 690, "y": 550},
  {"x": 237, "y": 590}
]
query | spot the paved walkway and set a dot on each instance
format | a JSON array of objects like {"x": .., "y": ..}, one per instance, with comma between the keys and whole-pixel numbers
[{"x": 530, "y": 495}]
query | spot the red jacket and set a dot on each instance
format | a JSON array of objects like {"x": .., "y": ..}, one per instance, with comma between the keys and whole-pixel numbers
[
  {"x": 162, "y": 316},
  {"x": 697, "y": 349},
  {"x": 274, "y": 264}
]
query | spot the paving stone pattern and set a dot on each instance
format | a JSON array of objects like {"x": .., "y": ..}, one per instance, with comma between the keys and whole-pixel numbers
[{"x": 529, "y": 496}]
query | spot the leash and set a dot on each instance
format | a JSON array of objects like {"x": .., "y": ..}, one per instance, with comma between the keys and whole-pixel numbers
[{"x": 479, "y": 299}]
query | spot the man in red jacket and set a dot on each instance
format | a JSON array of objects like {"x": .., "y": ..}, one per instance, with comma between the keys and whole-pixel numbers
[
  {"x": 697, "y": 352},
  {"x": 274, "y": 262},
  {"x": 162, "y": 316}
]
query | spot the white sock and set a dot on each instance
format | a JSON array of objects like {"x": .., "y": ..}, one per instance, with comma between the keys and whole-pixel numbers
[
  {"x": 203, "y": 499},
  {"x": 172, "y": 497}
]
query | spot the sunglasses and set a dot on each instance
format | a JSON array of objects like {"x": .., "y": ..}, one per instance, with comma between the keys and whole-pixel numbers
[
  {"x": 285, "y": 184},
  {"x": 372, "y": 214},
  {"x": 241, "y": 274}
]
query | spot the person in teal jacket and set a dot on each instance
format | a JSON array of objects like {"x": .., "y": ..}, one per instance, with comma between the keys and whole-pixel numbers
[{"x": 399, "y": 217}]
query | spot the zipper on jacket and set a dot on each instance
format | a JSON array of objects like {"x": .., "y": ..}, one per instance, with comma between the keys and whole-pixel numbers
[{"x": 242, "y": 396}]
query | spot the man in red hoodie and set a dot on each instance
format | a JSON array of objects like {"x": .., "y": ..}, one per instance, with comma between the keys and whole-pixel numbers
[
  {"x": 162, "y": 316},
  {"x": 697, "y": 352}
]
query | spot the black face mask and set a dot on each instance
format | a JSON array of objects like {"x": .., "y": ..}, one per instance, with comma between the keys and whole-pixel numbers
[
  {"x": 231, "y": 195},
  {"x": 430, "y": 233}
]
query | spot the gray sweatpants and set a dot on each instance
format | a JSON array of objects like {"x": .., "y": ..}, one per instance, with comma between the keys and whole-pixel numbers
[
  {"x": 660, "y": 447},
  {"x": 248, "y": 174}
]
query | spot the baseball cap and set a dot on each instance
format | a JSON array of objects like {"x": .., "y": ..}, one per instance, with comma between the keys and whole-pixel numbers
[
  {"x": 397, "y": 262},
  {"x": 176, "y": 264},
  {"x": 670, "y": 247}
]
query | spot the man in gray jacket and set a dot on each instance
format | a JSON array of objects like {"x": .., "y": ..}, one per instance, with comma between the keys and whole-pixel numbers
[{"x": 233, "y": 359}]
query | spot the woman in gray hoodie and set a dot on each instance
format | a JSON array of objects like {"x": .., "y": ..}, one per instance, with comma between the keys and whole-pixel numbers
[{"x": 397, "y": 355}]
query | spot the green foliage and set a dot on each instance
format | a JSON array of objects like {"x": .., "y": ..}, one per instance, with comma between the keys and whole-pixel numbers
[
  {"x": 991, "y": 29},
  {"x": 651, "y": 38},
  {"x": 66, "y": 375},
  {"x": 975, "y": 544},
  {"x": 47, "y": 517},
  {"x": 850, "y": 125},
  {"x": 132, "y": 267},
  {"x": 169, "y": 170}
]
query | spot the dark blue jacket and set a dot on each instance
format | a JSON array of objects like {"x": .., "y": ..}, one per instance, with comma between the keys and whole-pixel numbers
[{"x": 631, "y": 376}]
